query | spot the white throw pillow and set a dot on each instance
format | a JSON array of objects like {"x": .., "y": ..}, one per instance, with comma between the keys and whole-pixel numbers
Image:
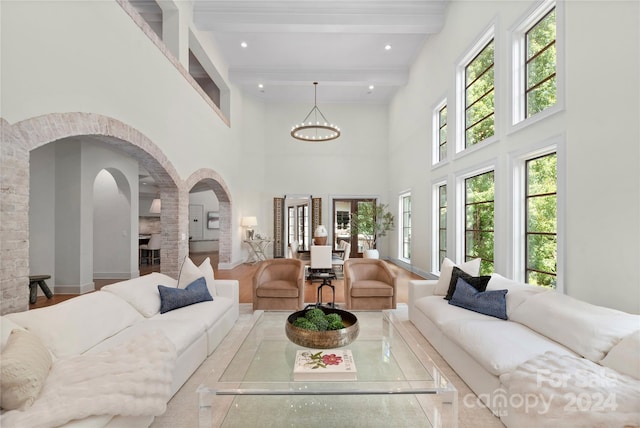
[
  {"x": 587, "y": 329},
  {"x": 190, "y": 272},
  {"x": 472, "y": 267},
  {"x": 24, "y": 367},
  {"x": 518, "y": 291},
  {"x": 6, "y": 327},
  {"x": 207, "y": 270},
  {"x": 142, "y": 292},
  {"x": 625, "y": 356}
]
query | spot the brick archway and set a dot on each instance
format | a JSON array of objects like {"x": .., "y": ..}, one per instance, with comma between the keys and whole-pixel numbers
[
  {"x": 22, "y": 137},
  {"x": 220, "y": 189}
]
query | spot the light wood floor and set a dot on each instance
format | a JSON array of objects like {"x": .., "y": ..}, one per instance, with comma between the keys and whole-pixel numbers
[{"x": 244, "y": 274}]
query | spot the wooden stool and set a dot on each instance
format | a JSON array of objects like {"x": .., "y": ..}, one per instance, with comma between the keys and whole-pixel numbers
[{"x": 34, "y": 282}]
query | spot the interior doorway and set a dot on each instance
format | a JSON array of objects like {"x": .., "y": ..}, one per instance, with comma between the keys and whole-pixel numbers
[{"x": 343, "y": 209}]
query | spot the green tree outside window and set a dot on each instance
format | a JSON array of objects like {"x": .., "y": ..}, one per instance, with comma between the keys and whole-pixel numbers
[
  {"x": 541, "y": 221},
  {"x": 479, "y": 220}
]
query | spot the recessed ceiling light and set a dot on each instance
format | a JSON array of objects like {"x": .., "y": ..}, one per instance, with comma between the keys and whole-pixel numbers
[
  {"x": 243, "y": 44},
  {"x": 387, "y": 47},
  {"x": 260, "y": 85},
  {"x": 371, "y": 87}
]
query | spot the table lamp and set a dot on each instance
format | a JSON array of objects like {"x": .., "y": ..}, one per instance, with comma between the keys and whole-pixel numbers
[{"x": 249, "y": 223}]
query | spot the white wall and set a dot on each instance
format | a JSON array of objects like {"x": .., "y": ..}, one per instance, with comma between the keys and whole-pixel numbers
[
  {"x": 83, "y": 222},
  {"x": 121, "y": 74},
  {"x": 73, "y": 221},
  {"x": 598, "y": 131},
  {"x": 383, "y": 151},
  {"x": 209, "y": 203},
  {"x": 111, "y": 227},
  {"x": 42, "y": 208},
  {"x": 354, "y": 164}
]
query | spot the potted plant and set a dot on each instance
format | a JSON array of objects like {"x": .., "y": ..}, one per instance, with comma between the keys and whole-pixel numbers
[{"x": 371, "y": 222}]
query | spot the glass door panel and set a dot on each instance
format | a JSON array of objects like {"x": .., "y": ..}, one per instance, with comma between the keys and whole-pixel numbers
[{"x": 343, "y": 210}]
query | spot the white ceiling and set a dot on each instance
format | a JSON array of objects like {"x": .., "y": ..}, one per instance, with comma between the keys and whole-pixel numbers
[{"x": 340, "y": 44}]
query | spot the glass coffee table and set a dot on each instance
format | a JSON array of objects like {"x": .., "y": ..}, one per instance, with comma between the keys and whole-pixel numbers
[{"x": 397, "y": 383}]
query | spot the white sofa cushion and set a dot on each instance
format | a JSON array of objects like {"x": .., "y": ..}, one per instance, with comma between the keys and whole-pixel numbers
[
  {"x": 142, "y": 293},
  {"x": 625, "y": 356},
  {"x": 497, "y": 345},
  {"x": 472, "y": 267},
  {"x": 440, "y": 312},
  {"x": 204, "y": 313},
  {"x": 75, "y": 325},
  {"x": 587, "y": 329},
  {"x": 518, "y": 291},
  {"x": 182, "y": 333}
]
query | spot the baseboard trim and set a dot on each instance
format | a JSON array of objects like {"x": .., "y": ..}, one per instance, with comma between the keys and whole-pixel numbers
[
  {"x": 229, "y": 266},
  {"x": 114, "y": 275},
  {"x": 75, "y": 289}
]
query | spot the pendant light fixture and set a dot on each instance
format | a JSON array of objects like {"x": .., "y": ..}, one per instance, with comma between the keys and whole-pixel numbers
[{"x": 315, "y": 127}]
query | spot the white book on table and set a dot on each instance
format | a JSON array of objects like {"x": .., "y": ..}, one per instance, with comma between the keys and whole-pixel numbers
[{"x": 324, "y": 365}]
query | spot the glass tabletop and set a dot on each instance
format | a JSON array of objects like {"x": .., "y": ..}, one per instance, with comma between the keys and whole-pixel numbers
[{"x": 391, "y": 372}]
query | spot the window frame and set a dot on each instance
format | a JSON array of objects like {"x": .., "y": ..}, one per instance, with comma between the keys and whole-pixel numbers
[
  {"x": 436, "y": 143},
  {"x": 488, "y": 35},
  {"x": 517, "y": 165},
  {"x": 527, "y": 198},
  {"x": 518, "y": 64},
  {"x": 460, "y": 210},
  {"x": 437, "y": 227},
  {"x": 291, "y": 224},
  {"x": 401, "y": 227}
]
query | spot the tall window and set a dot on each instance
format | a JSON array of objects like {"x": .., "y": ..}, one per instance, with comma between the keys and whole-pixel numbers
[
  {"x": 440, "y": 133},
  {"x": 405, "y": 208},
  {"x": 291, "y": 224},
  {"x": 480, "y": 97},
  {"x": 541, "y": 220},
  {"x": 303, "y": 225},
  {"x": 479, "y": 220},
  {"x": 540, "y": 65},
  {"x": 442, "y": 223}
]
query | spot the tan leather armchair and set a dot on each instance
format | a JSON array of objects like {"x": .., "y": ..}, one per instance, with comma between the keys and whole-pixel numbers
[
  {"x": 278, "y": 285},
  {"x": 369, "y": 284}
]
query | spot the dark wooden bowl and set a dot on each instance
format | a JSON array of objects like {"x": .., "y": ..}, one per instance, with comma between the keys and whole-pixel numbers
[{"x": 323, "y": 339}]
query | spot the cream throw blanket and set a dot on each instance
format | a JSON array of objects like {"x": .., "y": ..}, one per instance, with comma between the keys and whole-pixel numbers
[
  {"x": 131, "y": 379},
  {"x": 565, "y": 391}
]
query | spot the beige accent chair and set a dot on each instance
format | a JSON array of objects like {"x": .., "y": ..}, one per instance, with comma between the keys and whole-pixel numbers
[
  {"x": 279, "y": 285},
  {"x": 369, "y": 284}
]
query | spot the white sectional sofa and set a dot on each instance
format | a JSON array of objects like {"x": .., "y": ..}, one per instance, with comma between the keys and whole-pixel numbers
[
  {"x": 123, "y": 321},
  {"x": 556, "y": 361}
]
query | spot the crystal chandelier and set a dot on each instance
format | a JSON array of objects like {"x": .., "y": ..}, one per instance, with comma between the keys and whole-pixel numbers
[{"x": 315, "y": 127}]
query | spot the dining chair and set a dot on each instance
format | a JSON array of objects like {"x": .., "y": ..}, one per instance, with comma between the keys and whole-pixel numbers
[
  {"x": 339, "y": 260},
  {"x": 151, "y": 249},
  {"x": 321, "y": 269},
  {"x": 321, "y": 259}
]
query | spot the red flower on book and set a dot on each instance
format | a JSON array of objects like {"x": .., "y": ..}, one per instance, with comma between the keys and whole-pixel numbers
[{"x": 331, "y": 359}]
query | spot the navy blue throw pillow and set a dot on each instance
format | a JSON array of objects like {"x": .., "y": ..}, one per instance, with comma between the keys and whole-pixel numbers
[
  {"x": 492, "y": 303},
  {"x": 173, "y": 298},
  {"x": 478, "y": 282}
]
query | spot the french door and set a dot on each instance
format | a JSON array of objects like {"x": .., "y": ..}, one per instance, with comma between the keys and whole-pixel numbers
[{"x": 343, "y": 209}]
